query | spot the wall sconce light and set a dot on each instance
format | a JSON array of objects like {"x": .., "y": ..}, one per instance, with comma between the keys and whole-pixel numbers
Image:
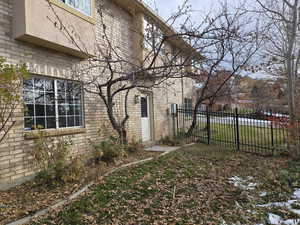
[{"x": 136, "y": 99}]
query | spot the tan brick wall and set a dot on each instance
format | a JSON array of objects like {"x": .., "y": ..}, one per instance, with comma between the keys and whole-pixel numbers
[{"x": 15, "y": 162}]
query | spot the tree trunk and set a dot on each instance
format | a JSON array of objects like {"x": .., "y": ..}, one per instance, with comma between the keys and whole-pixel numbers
[{"x": 194, "y": 122}]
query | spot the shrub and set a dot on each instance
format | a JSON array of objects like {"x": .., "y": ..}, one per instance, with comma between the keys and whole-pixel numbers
[
  {"x": 11, "y": 80},
  {"x": 167, "y": 140},
  {"x": 107, "y": 151},
  {"x": 292, "y": 137},
  {"x": 75, "y": 170},
  {"x": 52, "y": 157},
  {"x": 133, "y": 147}
]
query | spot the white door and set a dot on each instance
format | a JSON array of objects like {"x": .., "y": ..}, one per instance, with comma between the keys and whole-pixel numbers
[{"x": 145, "y": 118}]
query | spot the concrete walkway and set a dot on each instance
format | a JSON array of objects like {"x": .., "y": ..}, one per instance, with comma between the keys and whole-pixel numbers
[{"x": 159, "y": 148}]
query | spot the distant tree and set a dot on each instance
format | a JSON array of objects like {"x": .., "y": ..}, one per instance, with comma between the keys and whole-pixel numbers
[
  {"x": 262, "y": 96},
  {"x": 224, "y": 95}
]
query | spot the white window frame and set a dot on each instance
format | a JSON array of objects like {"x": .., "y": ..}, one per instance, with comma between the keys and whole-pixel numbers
[{"x": 56, "y": 102}]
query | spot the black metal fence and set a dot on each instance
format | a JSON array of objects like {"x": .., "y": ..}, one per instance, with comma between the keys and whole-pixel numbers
[{"x": 244, "y": 130}]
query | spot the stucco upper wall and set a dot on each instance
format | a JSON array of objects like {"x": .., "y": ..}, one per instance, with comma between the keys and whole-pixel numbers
[{"x": 36, "y": 22}]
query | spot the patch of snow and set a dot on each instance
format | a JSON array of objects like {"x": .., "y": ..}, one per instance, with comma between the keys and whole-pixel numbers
[
  {"x": 274, "y": 219},
  {"x": 223, "y": 222},
  {"x": 291, "y": 222},
  {"x": 287, "y": 204},
  {"x": 263, "y": 194},
  {"x": 242, "y": 183},
  {"x": 296, "y": 211},
  {"x": 242, "y": 121},
  {"x": 296, "y": 194}
]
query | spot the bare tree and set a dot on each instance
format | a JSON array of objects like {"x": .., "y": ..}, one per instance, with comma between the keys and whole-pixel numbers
[
  {"x": 112, "y": 74},
  {"x": 282, "y": 52},
  {"x": 222, "y": 41},
  {"x": 228, "y": 40}
]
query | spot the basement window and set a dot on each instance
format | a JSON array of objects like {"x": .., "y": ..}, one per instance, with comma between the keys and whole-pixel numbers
[{"x": 52, "y": 103}]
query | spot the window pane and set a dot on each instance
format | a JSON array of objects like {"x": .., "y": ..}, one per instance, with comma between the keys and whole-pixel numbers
[
  {"x": 69, "y": 87},
  {"x": 28, "y": 96},
  {"x": 78, "y": 110},
  {"x": 61, "y": 86},
  {"x": 62, "y": 121},
  {"x": 71, "y": 2},
  {"x": 29, "y": 110},
  {"x": 29, "y": 123},
  {"x": 77, "y": 94},
  {"x": 70, "y": 98},
  {"x": 86, "y": 8},
  {"x": 40, "y": 123},
  {"x": 50, "y": 110},
  {"x": 39, "y": 97},
  {"x": 28, "y": 84},
  {"x": 82, "y": 5},
  {"x": 49, "y": 85},
  {"x": 61, "y": 110},
  {"x": 70, "y": 110},
  {"x": 50, "y": 98},
  {"x": 78, "y": 121},
  {"x": 39, "y": 84},
  {"x": 71, "y": 122},
  {"x": 39, "y": 110},
  {"x": 69, "y": 93},
  {"x": 61, "y": 97},
  {"x": 144, "y": 107},
  {"x": 51, "y": 122}
]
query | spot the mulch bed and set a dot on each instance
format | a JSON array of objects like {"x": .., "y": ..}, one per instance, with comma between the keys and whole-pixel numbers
[{"x": 30, "y": 197}]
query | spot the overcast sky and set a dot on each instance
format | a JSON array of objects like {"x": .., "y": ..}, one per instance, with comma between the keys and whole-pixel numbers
[
  {"x": 200, "y": 7},
  {"x": 166, "y": 7}
]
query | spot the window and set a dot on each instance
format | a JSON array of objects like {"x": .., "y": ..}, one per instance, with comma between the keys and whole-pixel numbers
[
  {"x": 144, "y": 107},
  {"x": 51, "y": 104},
  {"x": 188, "y": 103},
  {"x": 83, "y": 6}
]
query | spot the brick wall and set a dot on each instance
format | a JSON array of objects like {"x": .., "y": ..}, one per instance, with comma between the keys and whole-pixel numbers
[{"x": 15, "y": 162}]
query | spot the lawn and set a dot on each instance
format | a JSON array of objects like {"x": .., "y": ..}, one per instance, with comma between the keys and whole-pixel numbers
[
  {"x": 261, "y": 139},
  {"x": 190, "y": 186}
]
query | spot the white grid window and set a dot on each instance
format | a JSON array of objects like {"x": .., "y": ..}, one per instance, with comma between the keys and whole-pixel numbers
[
  {"x": 52, "y": 103},
  {"x": 83, "y": 6}
]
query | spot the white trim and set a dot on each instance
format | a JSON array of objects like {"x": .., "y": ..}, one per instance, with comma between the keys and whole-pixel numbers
[{"x": 56, "y": 104}]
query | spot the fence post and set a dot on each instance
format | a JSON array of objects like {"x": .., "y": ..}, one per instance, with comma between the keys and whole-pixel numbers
[
  {"x": 272, "y": 133},
  {"x": 174, "y": 113},
  {"x": 208, "y": 124},
  {"x": 237, "y": 129}
]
